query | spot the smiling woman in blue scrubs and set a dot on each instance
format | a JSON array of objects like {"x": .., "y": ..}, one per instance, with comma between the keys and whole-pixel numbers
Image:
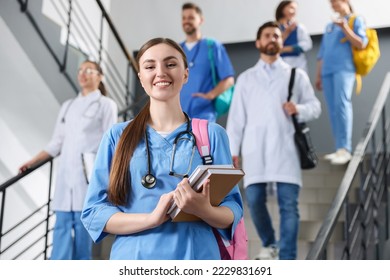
[{"x": 131, "y": 187}]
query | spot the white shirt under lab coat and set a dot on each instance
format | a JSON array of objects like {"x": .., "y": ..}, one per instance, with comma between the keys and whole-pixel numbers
[
  {"x": 81, "y": 123},
  {"x": 259, "y": 129}
]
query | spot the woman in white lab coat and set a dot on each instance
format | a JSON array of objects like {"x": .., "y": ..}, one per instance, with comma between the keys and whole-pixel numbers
[
  {"x": 296, "y": 38},
  {"x": 79, "y": 128}
]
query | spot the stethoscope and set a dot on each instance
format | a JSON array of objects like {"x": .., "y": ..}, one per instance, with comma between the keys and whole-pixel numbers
[
  {"x": 149, "y": 180},
  {"x": 91, "y": 115}
]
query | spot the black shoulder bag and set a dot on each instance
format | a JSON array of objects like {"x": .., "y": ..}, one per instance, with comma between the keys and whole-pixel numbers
[{"x": 302, "y": 137}]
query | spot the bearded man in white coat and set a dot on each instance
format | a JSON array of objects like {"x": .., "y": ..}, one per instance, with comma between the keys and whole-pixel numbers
[{"x": 261, "y": 131}]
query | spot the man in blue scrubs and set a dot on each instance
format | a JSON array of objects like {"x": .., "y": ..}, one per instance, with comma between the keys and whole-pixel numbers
[{"x": 198, "y": 94}]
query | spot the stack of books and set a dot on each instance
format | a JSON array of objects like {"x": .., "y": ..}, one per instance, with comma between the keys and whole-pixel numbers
[{"x": 222, "y": 180}]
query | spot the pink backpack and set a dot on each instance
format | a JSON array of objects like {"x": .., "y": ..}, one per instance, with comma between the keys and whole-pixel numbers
[{"x": 237, "y": 248}]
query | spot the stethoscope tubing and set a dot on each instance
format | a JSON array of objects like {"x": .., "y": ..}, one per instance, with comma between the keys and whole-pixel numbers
[
  {"x": 149, "y": 180},
  {"x": 84, "y": 114}
]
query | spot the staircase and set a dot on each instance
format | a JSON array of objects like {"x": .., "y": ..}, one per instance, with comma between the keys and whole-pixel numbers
[
  {"x": 39, "y": 72},
  {"x": 319, "y": 188},
  {"x": 40, "y": 54}
]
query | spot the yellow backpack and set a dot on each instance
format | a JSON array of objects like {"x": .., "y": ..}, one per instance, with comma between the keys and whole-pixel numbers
[{"x": 366, "y": 58}]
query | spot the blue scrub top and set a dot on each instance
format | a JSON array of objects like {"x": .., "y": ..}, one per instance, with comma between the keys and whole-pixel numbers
[
  {"x": 336, "y": 55},
  {"x": 291, "y": 40},
  {"x": 200, "y": 78},
  {"x": 183, "y": 240}
]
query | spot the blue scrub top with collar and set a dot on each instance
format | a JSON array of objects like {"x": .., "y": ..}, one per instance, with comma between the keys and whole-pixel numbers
[
  {"x": 336, "y": 56},
  {"x": 184, "y": 240},
  {"x": 200, "y": 78}
]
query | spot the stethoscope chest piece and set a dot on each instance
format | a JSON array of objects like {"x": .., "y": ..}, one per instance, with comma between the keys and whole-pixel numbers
[{"x": 148, "y": 181}]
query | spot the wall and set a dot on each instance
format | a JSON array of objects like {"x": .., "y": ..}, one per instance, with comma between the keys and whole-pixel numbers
[
  {"x": 231, "y": 21},
  {"x": 28, "y": 110},
  {"x": 57, "y": 11}
]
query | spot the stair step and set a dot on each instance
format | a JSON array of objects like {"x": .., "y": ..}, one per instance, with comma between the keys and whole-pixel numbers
[
  {"x": 307, "y": 212},
  {"x": 334, "y": 248},
  {"x": 325, "y": 167},
  {"x": 254, "y": 247},
  {"x": 320, "y": 186},
  {"x": 308, "y": 230}
]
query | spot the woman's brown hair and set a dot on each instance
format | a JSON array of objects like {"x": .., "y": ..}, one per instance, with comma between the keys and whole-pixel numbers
[
  {"x": 120, "y": 181},
  {"x": 279, "y": 14}
]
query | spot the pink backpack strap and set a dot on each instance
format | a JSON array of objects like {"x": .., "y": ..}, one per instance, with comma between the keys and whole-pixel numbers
[
  {"x": 199, "y": 128},
  {"x": 240, "y": 248},
  {"x": 236, "y": 249}
]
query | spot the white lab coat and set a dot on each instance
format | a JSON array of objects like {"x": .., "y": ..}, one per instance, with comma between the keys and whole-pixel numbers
[
  {"x": 80, "y": 126},
  {"x": 259, "y": 129}
]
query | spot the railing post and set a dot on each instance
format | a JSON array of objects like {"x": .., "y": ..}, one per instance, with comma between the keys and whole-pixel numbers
[
  {"x": 23, "y": 5},
  {"x": 2, "y": 218},
  {"x": 101, "y": 38},
  {"x": 63, "y": 66},
  {"x": 48, "y": 208},
  {"x": 128, "y": 93},
  {"x": 385, "y": 174},
  {"x": 346, "y": 228}
]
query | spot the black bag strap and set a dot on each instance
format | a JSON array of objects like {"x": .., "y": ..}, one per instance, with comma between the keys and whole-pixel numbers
[
  {"x": 291, "y": 84},
  {"x": 290, "y": 87}
]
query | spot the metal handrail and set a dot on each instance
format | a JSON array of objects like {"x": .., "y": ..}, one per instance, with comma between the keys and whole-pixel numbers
[
  {"x": 23, "y": 174},
  {"x": 62, "y": 63},
  {"x": 319, "y": 246},
  {"x": 3, "y": 188},
  {"x": 117, "y": 37},
  {"x": 132, "y": 107},
  {"x": 118, "y": 82}
]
